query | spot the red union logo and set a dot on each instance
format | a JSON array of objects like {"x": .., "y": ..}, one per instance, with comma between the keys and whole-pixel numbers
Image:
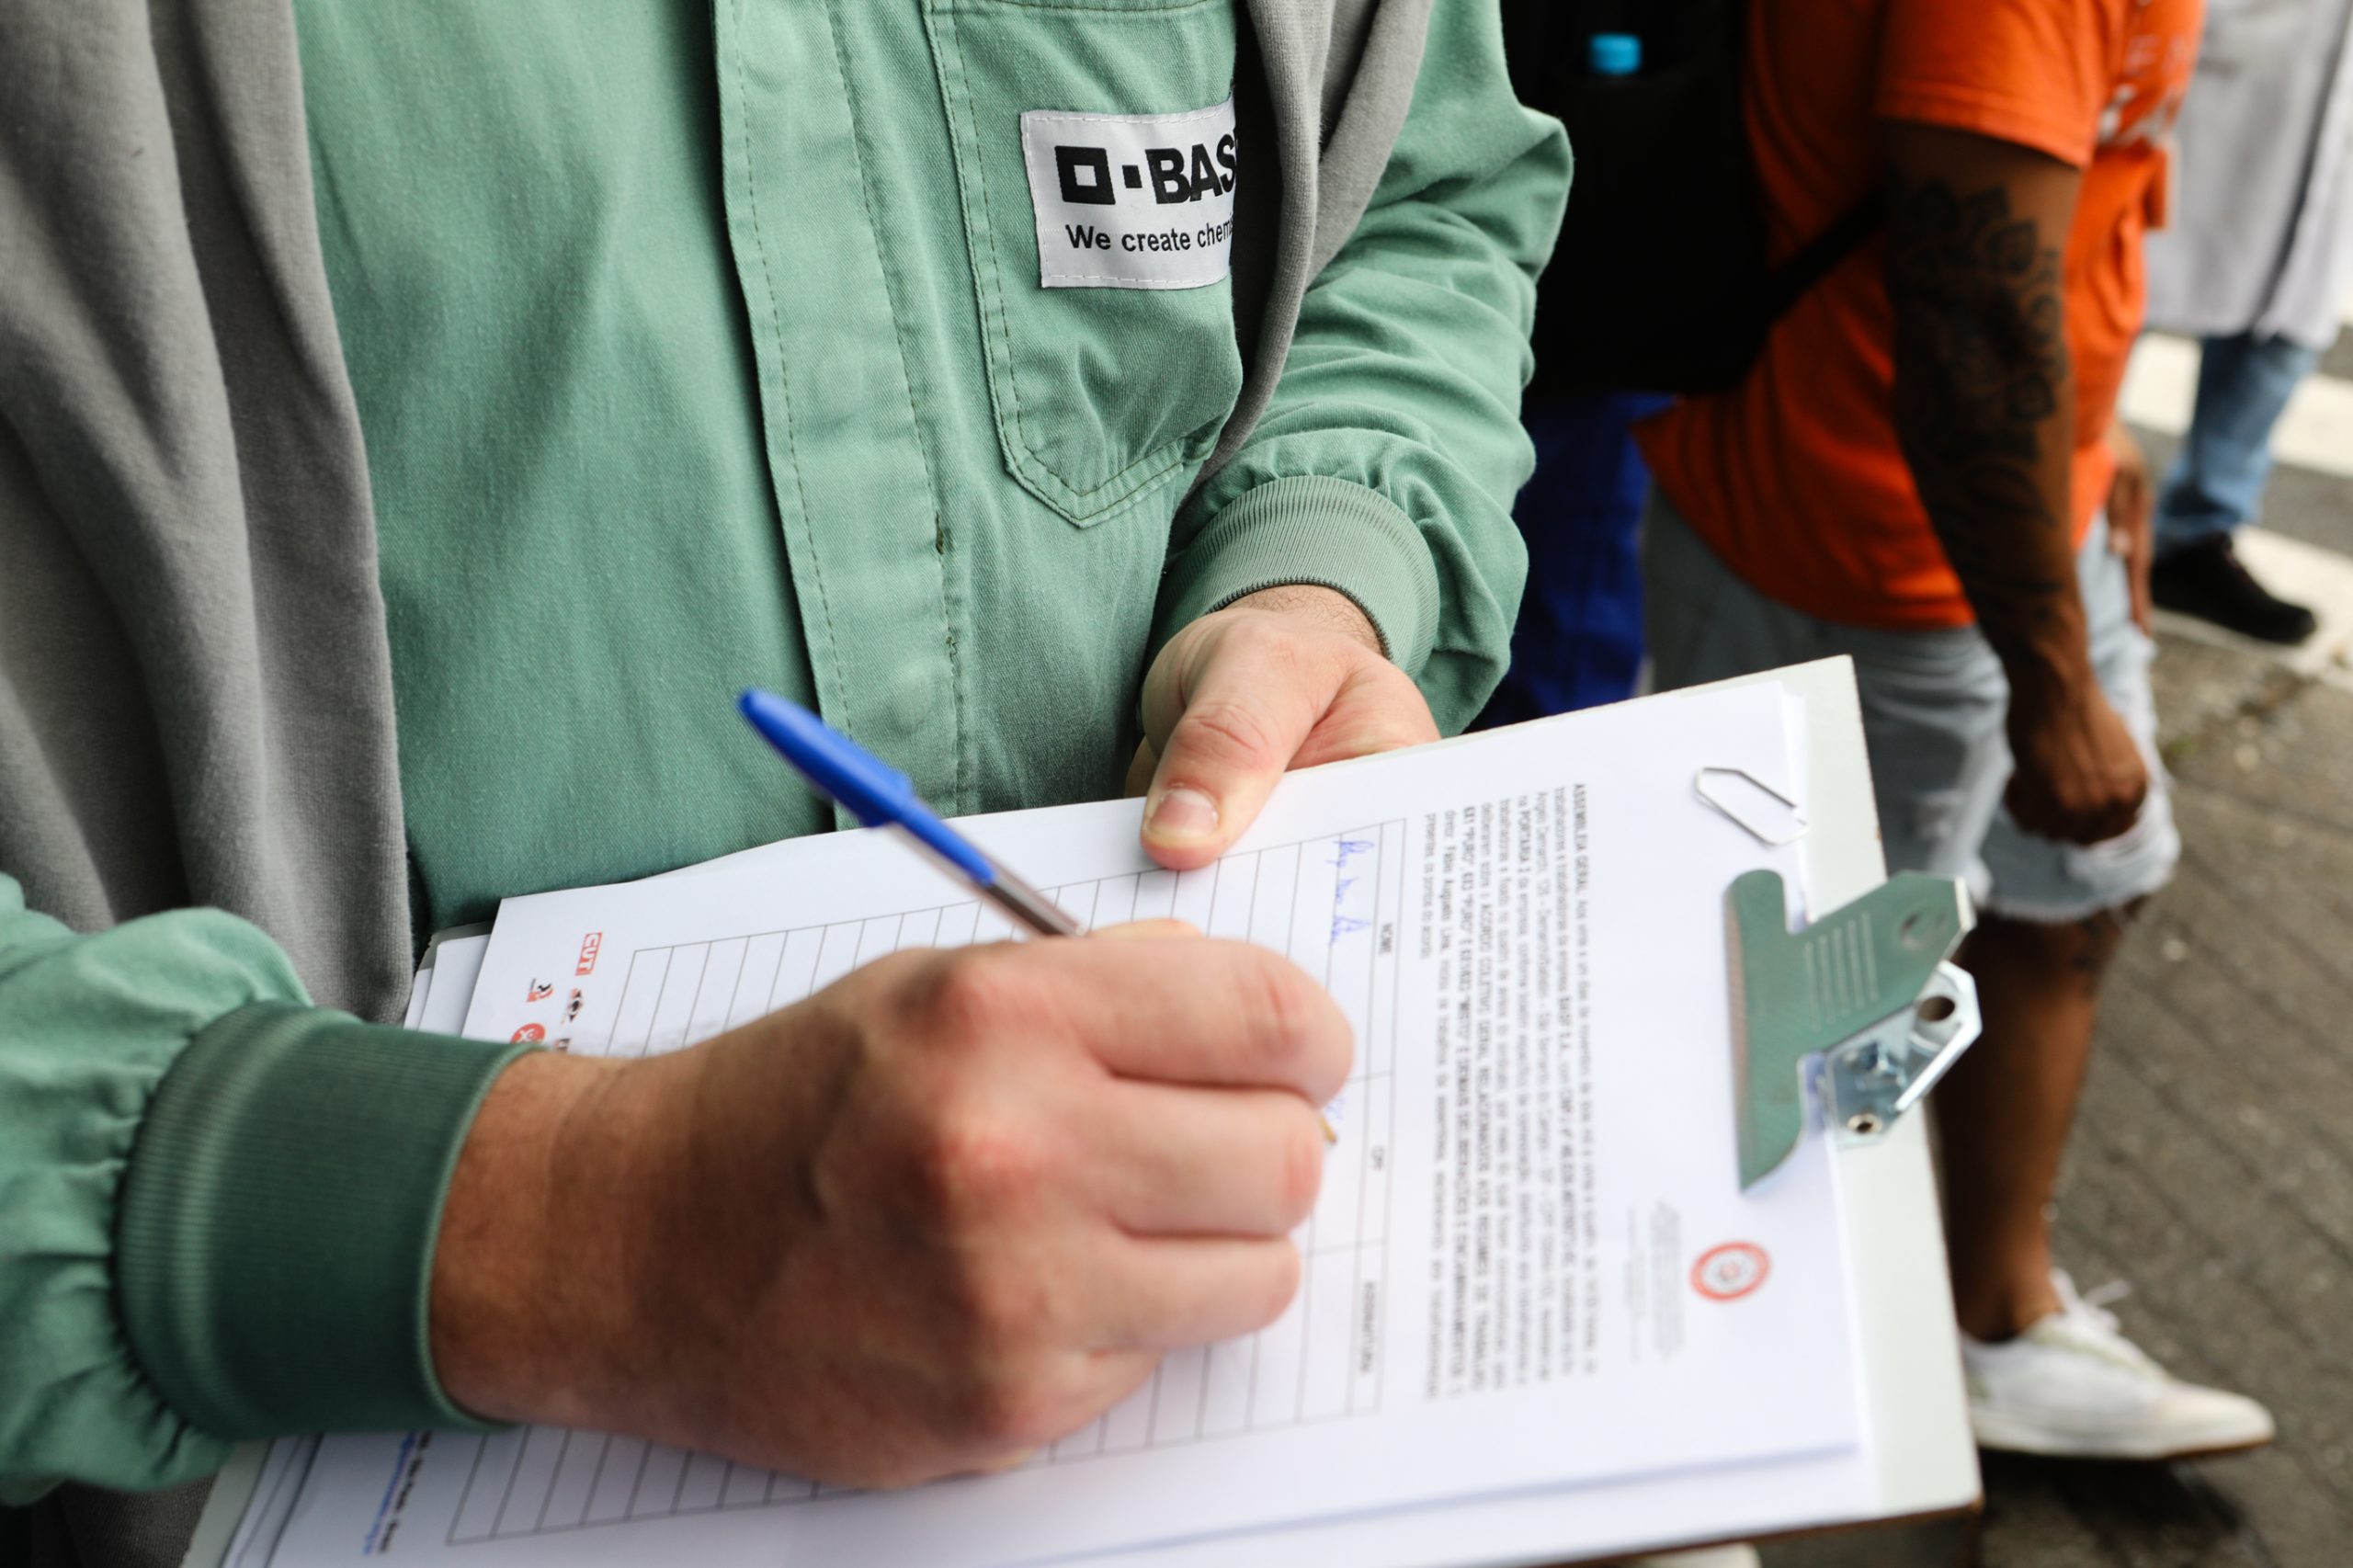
[
  {"x": 530, "y": 1034},
  {"x": 1730, "y": 1271},
  {"x": 589, "y": 948}
]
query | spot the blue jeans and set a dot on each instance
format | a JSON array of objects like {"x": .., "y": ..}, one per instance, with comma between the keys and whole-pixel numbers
[{"x": 2217, "y": 477}]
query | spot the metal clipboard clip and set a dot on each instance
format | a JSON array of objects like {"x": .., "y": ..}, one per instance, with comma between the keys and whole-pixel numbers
[{"x": 1863, "y": 1005}]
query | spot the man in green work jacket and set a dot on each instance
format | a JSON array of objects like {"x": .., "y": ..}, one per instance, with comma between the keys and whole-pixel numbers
[{"x": 1047, "y": 394}]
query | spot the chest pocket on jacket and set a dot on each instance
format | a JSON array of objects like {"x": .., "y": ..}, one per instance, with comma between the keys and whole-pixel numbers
[{"x": 1095, "y": 161}]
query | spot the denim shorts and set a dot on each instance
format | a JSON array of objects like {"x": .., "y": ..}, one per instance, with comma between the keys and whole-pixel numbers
[{"x": 1933, "y": 706}]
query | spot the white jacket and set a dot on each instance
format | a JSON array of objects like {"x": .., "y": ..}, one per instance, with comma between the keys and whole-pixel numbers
[{"x": 2262, "y": 232}]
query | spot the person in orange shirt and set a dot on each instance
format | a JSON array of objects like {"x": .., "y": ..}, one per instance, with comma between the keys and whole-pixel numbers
[{"x": 1923, "y": 470}]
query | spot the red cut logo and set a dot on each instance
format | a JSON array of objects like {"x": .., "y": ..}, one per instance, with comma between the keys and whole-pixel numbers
[
  {"x": 1730, "y": 1271},
  {"x": 530, "y": 1034},
  {"x": 588, "y": 948}
]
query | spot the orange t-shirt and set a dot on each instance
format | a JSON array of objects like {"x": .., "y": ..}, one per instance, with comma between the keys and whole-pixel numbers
[{"x": 1794, "y": 477}]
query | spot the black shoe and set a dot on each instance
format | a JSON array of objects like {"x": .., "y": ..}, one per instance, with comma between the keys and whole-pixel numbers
[{"x": 2206, "y": 580}]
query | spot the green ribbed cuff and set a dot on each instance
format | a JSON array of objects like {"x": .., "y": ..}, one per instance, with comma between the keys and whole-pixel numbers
[
  {"x": 274, "y": 1246},
  {"x": 1331, "y": 533}
]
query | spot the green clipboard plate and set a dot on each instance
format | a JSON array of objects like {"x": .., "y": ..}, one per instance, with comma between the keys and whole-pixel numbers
[{"x": 1868, "y": 990}]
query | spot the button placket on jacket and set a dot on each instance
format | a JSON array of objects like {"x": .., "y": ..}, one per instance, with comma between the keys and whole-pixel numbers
[{"x": 855, "y": 490}]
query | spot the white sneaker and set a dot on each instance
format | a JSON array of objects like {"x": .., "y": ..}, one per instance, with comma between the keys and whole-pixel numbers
[{"x": 2072, "y": 1384}]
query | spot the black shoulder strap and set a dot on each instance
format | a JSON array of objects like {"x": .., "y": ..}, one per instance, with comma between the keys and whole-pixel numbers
[{"x": 1788, "y": 283}]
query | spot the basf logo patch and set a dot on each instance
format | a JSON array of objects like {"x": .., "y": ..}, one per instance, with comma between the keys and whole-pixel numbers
[{"x": 1133, "y": 201}]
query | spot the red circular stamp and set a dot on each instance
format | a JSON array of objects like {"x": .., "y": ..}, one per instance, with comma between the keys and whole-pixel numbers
[
  {"x": 533, "y": 1032},
  {"x": 1727, "y": 1273}
]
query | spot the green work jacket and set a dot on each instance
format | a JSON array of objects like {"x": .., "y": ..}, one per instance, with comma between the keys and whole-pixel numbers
[{"x": 879, "y": 352}]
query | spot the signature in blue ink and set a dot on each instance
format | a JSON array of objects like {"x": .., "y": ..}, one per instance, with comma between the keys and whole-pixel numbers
[{"x": 1343, "y": 851}]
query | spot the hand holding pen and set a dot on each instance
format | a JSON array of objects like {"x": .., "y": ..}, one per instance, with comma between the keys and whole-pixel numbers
[{"x": 879, "y": 795}]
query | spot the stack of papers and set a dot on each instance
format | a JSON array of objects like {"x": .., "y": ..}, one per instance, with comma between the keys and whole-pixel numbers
[{"x": 1531, "y": 1270}]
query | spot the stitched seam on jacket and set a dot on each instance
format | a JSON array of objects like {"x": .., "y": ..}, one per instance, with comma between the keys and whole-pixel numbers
[
  {"x": 914, "y": 426},
  {"x": 783, "y": 375}
]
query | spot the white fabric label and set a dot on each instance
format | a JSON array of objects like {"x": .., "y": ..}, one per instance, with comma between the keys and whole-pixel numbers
[{"x": 1132, "y": 201}]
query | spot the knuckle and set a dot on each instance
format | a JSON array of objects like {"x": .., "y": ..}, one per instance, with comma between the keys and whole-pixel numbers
[
  {"x": 972, "y": 1166},
  {"x": 1256, "y": 636},
  {"x": 1222, "y": 731},
  {"x": 1302, "y": 1037},
  {"x": 974, "y": 993},
  {"x": 1299, "y": 1176},
  {"x": 1269, "y": 998}
]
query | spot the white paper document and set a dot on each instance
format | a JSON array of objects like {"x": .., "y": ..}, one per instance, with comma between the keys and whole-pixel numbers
[
  {"x": 449, "y": 987},
  {"x": 1531, "y": 1266}
]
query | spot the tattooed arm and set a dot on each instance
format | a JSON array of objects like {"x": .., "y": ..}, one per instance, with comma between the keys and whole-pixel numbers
[{"x": 1985, "y": 411}]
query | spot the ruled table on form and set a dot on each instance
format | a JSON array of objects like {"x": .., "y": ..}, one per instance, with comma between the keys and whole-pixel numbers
[
  {"x": 1331, "y": 903},
  {"x": 1529, "y": 1357}
]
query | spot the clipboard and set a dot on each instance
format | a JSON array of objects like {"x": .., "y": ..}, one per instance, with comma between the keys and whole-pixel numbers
[{"x": 1915, "y": 1459}]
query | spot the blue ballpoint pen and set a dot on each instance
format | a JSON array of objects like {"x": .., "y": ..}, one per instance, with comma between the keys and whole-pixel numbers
[{"x": 879, "y": 795}]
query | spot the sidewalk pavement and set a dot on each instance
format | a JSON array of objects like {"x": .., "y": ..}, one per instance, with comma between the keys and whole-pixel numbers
[{"x": 2212, "y": 1166}]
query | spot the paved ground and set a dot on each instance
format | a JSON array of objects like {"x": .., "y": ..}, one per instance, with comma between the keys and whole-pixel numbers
[{"x": 2213, "y": 1165}]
